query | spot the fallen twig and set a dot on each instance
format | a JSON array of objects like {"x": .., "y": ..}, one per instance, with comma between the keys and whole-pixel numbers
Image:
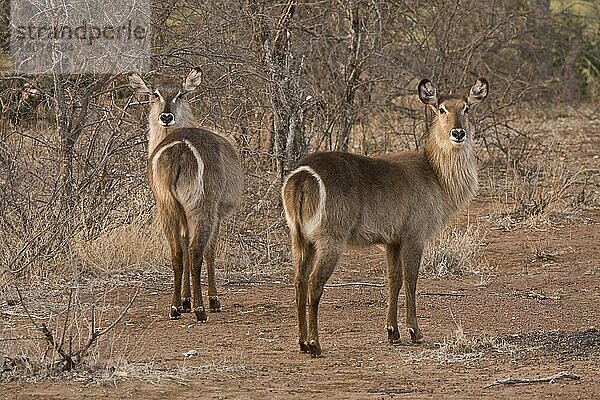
[
  {"x": 521, "y": 381},
  {"x": 230, "y": 282},
  {"x": 392, "y": 390},
  {"x": 342, "y": 284},
  {"x": 442, "y": 294},
  {"x": 540, "y": 296},
  {"x": 14, "y": 314}
]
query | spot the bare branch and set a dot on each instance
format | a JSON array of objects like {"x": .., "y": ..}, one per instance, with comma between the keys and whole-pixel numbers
[
  {"x": 95, "y": 335},
  {"x": 530, "y": 380}
]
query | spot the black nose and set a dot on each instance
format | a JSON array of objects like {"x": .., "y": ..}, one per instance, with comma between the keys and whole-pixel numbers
[
  {"x": 458, "y": 134},
  {"x": 166, "y": 118}
]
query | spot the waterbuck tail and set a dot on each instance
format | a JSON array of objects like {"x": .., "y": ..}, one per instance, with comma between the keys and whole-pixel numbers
[
  {"x": 177, "y": 179},
  {"x": 304, "y": 198}
]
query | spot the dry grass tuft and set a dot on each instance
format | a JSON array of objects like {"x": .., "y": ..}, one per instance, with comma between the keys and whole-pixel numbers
[
  {"x": 135, "y": 246},
  {"x": 254, "y": 243},
  {"x": 454, "y": 252},
  {"x": 111, "y": 372},
  {"x": 541, "y": 190},
  {"x": 538, "y": 176},
  {"x": 460, "y": 348}
]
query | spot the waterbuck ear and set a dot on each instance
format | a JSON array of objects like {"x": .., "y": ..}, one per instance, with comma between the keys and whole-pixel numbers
[
  {"x": 478, "y": 92},
  {"x": 428, "y": 93},
  {"x": 139, "y": 85},
  {"x": 193, "y": 80}
]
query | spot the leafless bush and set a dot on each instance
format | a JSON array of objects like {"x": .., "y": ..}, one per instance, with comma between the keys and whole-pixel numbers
[
  {"x": 538, "y": 183},
  {"x": 63, "y": 334},
  {"x": 76, "y": 180},
  {"x": 252, "y": 239},
  {"x": 282, "y": 79}
]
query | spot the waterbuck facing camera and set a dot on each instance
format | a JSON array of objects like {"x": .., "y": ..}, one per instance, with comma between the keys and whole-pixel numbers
[
  {"x": 335, "y": 199},
  {"x": 196, "y": 179}
]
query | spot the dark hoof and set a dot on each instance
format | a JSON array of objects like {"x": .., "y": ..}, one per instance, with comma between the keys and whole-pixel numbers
[
  {"x": 175, "y": 313},
  {"x": 186, "y": 305},
  {"x": 304, "y": 347},
  {"x": 393, "y": 335},
  {"x": 314, "y": 348},
  {"x": 415, "y": 335},
  {"x": 201, "y": 314},
  {"x": 214, "y": 304}
]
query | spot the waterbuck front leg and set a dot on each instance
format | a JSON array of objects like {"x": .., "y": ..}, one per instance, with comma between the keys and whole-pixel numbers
[
  {"x": 303, "y": 256},
  {"x": 326, "y": 258},
  {"x": 395, "y": 284},
  {"x": 214, "y": 305},
  {"x": 411, "y": 253}
]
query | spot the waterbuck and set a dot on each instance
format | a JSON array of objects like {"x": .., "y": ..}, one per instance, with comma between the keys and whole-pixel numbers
[
  {"x": 337, "y": 199},
  {"x": 196, "y": 179}
]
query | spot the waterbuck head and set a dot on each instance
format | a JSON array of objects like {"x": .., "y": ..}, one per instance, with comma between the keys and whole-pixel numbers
[
  {"x": 450, "y": 128},
  {"x": 169, "y": 107}
]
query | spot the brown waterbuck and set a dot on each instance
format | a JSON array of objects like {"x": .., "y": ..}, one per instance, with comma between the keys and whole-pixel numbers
[
  {"x": 337, "y": 199},
  {"x": 196, "y": 179}
]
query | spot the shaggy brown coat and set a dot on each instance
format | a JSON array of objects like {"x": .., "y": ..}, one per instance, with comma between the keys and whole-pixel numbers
[
  {"x": 196, "y": 179},
  {"x": 337, "y": 199}
]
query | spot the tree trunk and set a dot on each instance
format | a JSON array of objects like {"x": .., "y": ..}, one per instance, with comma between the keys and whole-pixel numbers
[
  {"x": 353, "y": 73},
  {"x": 284, "y": 86},
  {"x": 67, "y": 142},
  {"x": 569, "y": 89},
  {"x": 540, "y": 9}
]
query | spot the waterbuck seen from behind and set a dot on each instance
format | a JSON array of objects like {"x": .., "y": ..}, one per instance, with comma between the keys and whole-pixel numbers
[
  {"x": 337, "y": 199},
  {"x": 196, "y": 179}
]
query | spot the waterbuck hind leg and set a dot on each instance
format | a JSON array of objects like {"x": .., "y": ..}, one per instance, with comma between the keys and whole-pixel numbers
[
  {"x": 214, "y": 305},
  {"x": 326, "y": 258},
  {"x": 394, "y": 286},
  {"x": 186, "y": 299},
  {"x": 411, "y": 260},
  {"x": 303, "y": 256},
  {"x": 177, "y": 263},
  {"x": 196, "y": 251},
  {"x": 186, "y": 304}
]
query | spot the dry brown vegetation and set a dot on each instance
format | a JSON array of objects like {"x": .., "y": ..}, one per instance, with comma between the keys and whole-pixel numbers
[{"x": 518, "y": 269}]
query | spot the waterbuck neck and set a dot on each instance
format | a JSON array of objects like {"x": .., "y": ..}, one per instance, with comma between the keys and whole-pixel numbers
[
  {"x": 454, "y": 166},
  {"x": 156, "y": 135}
]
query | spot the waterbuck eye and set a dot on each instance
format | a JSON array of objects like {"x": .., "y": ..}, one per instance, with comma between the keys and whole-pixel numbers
[
  {"x": 443, "y": 110},
  {"x": 466, "y": 109},
  {"x": 176, "y": 97},
  {"x": 156, "y": 95}
]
